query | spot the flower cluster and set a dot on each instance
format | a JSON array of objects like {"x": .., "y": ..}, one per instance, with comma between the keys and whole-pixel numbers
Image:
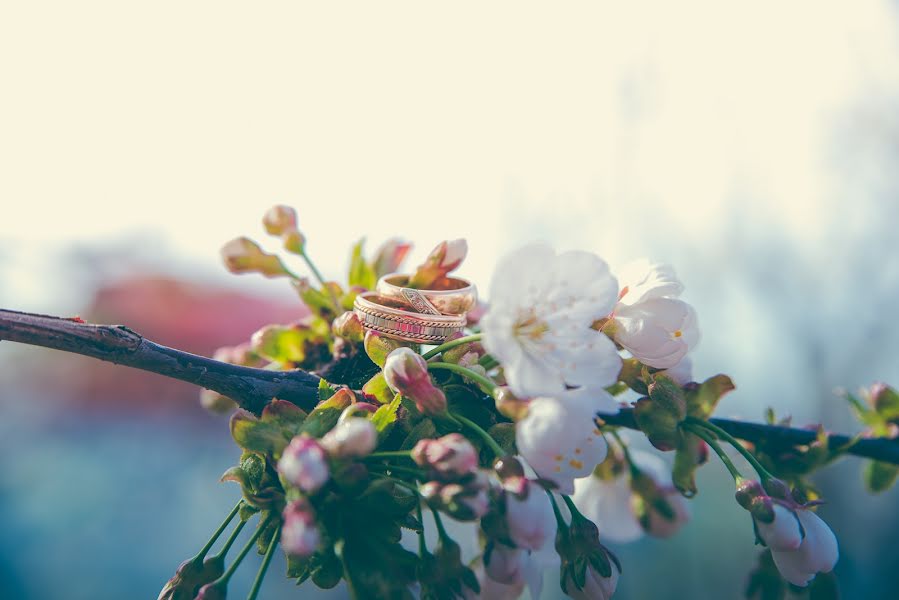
[{"x": 512, "y": 425}]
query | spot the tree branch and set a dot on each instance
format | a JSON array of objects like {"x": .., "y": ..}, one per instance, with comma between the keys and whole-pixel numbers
[
  {"x": 882, "y": 449},
  {"x": 253, "y": 388}
]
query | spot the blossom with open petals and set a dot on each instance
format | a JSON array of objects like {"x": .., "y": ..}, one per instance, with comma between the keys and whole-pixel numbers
[
  {"x": 539, "y": 325},
  {"x": 560, "y": 440},
  {"x": 649, "y": 320}
]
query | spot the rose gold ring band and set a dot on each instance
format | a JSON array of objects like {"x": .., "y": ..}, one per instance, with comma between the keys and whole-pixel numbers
[
  {"x": 455, "y": 297},
  {"x": 385, "y": 315}
]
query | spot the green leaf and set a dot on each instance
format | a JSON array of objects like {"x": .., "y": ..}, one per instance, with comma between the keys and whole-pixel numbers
[
  {"x": 325, "y": 390},
  {"x": 385, "y": 417},
  {"x": 377, "y": 388},
  {"x": 701, "y": 401},
  {"x": 270, "y": 433},
  {"x": 361, "y": 273},
  {"x": 880, "y": 476}
]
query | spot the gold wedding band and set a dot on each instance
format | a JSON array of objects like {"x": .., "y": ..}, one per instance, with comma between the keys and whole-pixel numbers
[
  {"x": 455, "y": 296},
  {"x": 392, "y": 318}
]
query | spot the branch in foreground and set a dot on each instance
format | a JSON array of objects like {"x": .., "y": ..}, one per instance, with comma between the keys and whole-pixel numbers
[
  {"x": 883, "y": 449},
  {"x": 253, "y": 388}
]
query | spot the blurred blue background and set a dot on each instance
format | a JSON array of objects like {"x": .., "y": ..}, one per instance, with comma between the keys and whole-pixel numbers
[{"x": 754, "y": 147}]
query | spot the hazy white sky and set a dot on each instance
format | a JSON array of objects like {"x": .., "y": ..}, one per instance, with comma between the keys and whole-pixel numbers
[{"x": 626, "y": 128}]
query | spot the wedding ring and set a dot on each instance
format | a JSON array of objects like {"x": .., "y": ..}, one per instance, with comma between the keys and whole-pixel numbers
[
  {"x": 454, "y": 296},
  {"x": 393, "y": 319}
]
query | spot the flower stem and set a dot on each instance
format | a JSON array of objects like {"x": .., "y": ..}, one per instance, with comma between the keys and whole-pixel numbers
[
  {"x": 634, "y": 469},
  {"x": 322, "y": 281},
  {"x": 245, "y": 550},
  {"x": 260, "y": 575},
  {"x": 422, "y": 545},
  {"x": 714, "y": 445},
  {"x": 451, "y": 344},
  {"x": 560, "y": 521},
  {"x": 407, "y": 470},
  {"x": 230, "y": 541},
  {"x": 218, "y": 532},
  {"x": 488, "y": 362},
  {"x": 488, "y": 439},
  {"x": 439, "y": 522},
  {"x": 723, "y": 435},
  {"x": 390, "y": 454},
  {"x": 485, "y": 383},
  {"x": 575, "y": 513}
]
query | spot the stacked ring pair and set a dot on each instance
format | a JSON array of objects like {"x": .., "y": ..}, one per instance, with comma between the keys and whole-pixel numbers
[{"x": 411, "y": 315}]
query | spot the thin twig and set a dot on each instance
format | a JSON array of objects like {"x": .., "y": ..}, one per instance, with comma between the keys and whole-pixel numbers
[{"x": 251, "y": 388}]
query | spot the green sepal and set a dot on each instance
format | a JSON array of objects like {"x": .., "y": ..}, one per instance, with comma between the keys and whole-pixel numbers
[
  {"x": 880, "y": 476},
  {"x": 270, "y": 433},
  {"x": 659, "y": 416},
  {"x": 689, "y": 455},
  {"x": 325, "y": 390},
  {"x": 385, "y": 417},
  {"x": 377, "y": 388},
  {"x": 361, "y": 274},
  {"x": 702, "y": 399},
  {"x": 325, "y": 415}
]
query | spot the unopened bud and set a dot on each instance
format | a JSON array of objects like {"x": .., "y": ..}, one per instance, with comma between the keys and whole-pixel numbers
[
  {"x": 299, "y": 533},
  {"x": 467, "y": 355},
  {"x": 349, "y": 327},
  {"x": 751, "y": 495},
  {"x": 304, "y": 464},
  {"x": 511, "y": 475},
  {"x": 406, "y": 373},
  {"x": 452, "y": 455},
  {"x": 446, "y": 257},
  {"x": 884, "y": 400},
  {"x": 217, "y": 590},
  {"x": 351, "y": 437},
  {"x": 294, "y": 241},
  {"x": 378, "y": 346},
  {"x": 243, "y": 255},
  {"x": 280, "y": 219},
  {"x": 390, "y": 256},
  {"x": 778, "y": 488}
]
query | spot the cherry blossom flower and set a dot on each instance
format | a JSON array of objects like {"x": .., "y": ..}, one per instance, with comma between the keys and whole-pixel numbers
[
  {"x": 351, "y": 437},
  {"x": 406, "y": 372},
  {"x": 299, "y": 533},
  {"x": 799, "y": 554},
  {"x": 504, "y": 564},
  {"x": 304, "y": 464},
  {"x": 539, "y": 325},
  {"x": 560, "y": 440},
  {"x": 451, "y": 455},
  {"x": 530, "y": 517},
  {"x": 612, "y": 503},
  {"x": 649, "y": 321},
  {"x": 596, "y": 587}
]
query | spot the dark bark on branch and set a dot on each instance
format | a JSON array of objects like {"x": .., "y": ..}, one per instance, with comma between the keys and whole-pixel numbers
[
  {"x": 883, "y": 449},
  {"x": 253, "y": 388}
]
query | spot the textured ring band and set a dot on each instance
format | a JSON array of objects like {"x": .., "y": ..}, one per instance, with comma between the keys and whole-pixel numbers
[
  {"x": 456, "y": 296},
  {"x": 384, "y": 316}
]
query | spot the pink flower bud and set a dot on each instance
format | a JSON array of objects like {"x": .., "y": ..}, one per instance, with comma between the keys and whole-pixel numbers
[
  {"x": 451, "y": 455},
  {"x": 446, "y": 257},
  {"x": 217, "y": 590},
  {"x": 406, "y": 373},
  {"x": 299, "y": 533},
  {"x": 504, "y": 564},
  {"x": 280, "y": 219},
  {"x": 530, "y": 518},
  {"x": 243, "y": 255},
  {"x": 465, "y": 500},
  {"x": 304, "y": 464},
  {"x": 390, "y": 256},
  {"x": 351, "y": 437},
  {"x": 349, "y": 327}
]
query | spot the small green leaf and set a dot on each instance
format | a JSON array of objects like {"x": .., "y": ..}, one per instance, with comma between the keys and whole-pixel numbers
[
  {"x": 325, "y": 390},
  {"x": 257, "y": 436},
  {"x": 701, "y": 401},
  {"x": 377, "y": 388},
  {"x": 361, "y": 273},
  {"x": 880, "y": 476},
  {"x": 385, "y": 417}
]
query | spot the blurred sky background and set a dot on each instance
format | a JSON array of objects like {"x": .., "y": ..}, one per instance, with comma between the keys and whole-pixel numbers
[{"x": 755, "y": 147}]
